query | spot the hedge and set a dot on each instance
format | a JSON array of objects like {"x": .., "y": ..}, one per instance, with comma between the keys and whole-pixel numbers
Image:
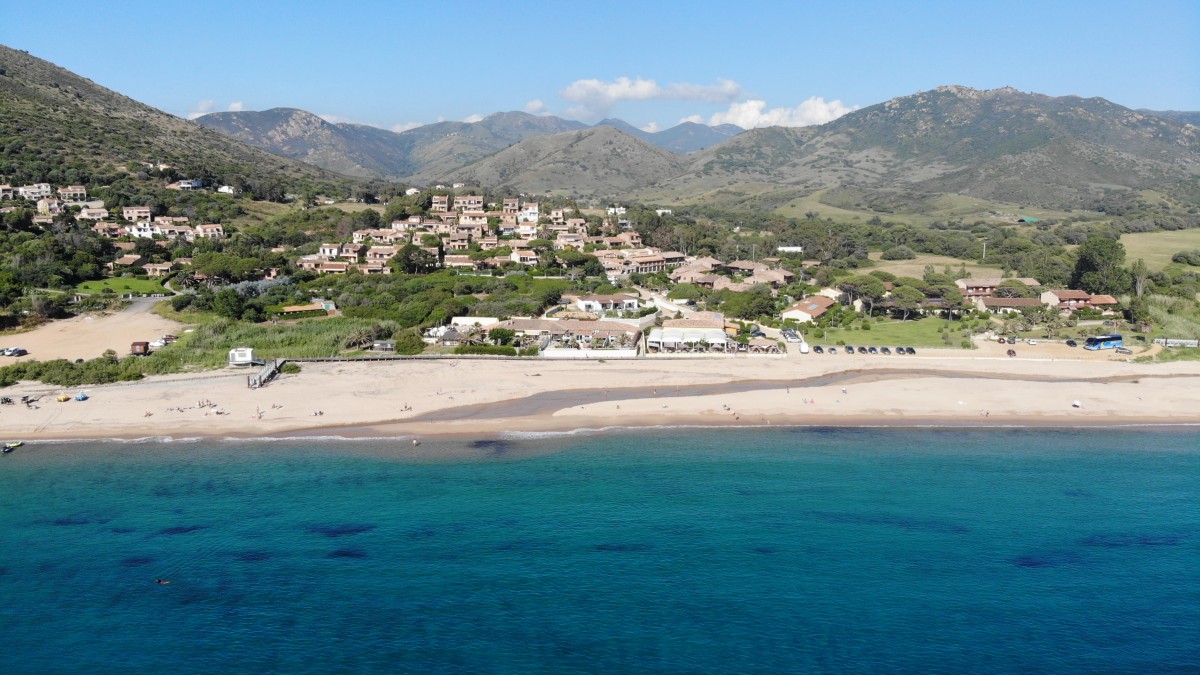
[{"x": 490, "y": 350}]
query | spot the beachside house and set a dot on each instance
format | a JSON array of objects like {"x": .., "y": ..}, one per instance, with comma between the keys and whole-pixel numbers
[
  {"x": 809, "y": 309},
  {"x": 607, "y": 303}
]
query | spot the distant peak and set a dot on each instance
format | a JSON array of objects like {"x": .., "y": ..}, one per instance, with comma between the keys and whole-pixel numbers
[{"x": 968, "y": 92}]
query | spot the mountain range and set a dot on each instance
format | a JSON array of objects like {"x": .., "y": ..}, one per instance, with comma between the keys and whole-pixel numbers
[
  {"x": 426, "y": 153},
  {"x": 911, "y": 154}
]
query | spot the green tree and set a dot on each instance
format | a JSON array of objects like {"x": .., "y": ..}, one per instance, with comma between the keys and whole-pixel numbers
[
  {"x": 907, "y": 300},
  {"x": 1140, "y": 273},
  {"x": 229, "y": 303},
  {"x": 1098, "y": 266},
  {"x": 1012, "y": 288}
]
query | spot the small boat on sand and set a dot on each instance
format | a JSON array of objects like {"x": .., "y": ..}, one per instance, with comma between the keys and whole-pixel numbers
[{"x": 12, "y": 445}]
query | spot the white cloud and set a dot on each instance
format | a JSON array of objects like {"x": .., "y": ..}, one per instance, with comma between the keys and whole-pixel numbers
[
  {"x": 406, "y": 126},
  {"x": 535, "y": 106},
  {"x": 650, "y": 128},
  {"x": 696, "y": 119},
  {"x": 594, "y": 98},
  {"x": 753, "y": 113},
  {"x": 237, "y": 106},
  {"x": 471, "y": 119},
  {"x": 202, "y": 108},
  {"x": 336, "y": 119}
]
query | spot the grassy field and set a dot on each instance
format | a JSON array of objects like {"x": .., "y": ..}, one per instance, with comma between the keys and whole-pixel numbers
[
  {"x": 916, "y": 266},
  {"x": 1156, "y": 248},
  {"x": 915, "y": 333},
  {"x": 256, "y": 212},
  {"x": 121, "y": 285}
]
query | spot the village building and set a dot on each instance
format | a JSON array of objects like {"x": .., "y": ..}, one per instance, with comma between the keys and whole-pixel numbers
[
  {"x": 7, "y": 191},
  {"x": 135, "y": 213},
  {"x": 986, "y": 287},
  {"x": 809, "y": 309},
  {"x": 458, "y": 261},
  {"x": 1067, "y": 301},
  {"x": 440, "y": 204},
  {"x": 72, "y": 193},
  {"x": 48, "y": 206},
  {"x": 529, "y": 213},
  {"x": 35, "y": 192},
  {"x": 600, "y": 304},
  {"x": 128, "y": 260},
  {"x": 154, "y": 270},
  {"x": 468, "y": 203},
  {"x": 524, "y": 257},
  {"x": 88, "y": 213}
]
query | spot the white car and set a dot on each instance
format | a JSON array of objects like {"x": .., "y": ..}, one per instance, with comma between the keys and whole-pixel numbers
[
  {"x": 159, "y": 343},
  {"x": 803, "y": 347},
  {"x": 1031, "y": 343}
]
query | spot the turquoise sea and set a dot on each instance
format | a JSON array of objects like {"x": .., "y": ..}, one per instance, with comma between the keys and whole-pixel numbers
[{"x": 669, "y": 550}]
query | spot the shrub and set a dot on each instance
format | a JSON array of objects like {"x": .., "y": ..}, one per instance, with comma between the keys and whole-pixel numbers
[
  {"x": 531, "y": 350},
  {"x": 900, "y": 252},
  {"x": 180, "y": 302},
  {"x": 290, "y": 368}
]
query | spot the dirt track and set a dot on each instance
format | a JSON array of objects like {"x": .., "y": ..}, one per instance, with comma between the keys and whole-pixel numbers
[{"x": 86, "y": 337}]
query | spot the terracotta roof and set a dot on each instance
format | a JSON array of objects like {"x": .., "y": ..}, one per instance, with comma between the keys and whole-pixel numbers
[
  {"x": 813, "y": 305},
  {"x": 1068, "y": 294}
]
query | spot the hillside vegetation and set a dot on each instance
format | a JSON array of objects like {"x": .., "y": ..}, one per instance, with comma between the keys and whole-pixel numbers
[{"x": 61, "y": 128}]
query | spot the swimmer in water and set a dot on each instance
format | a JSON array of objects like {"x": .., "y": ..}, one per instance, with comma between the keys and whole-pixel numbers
[{"x": 162, "y": 582}]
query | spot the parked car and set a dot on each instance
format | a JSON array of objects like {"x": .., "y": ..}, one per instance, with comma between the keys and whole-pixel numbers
[
  {"x": 849, "y": 349},
  {"x": 1012, "y": 353},
  {"x": 803, "y": 347},
  {"x": 900, "y": 351},
  {"x": 1012, "y": 340},
  {"x": 833, "y": 350},
  {"x": 1072, "y": 343},
  {"x": 757, "y": 333},
  {"x": 1031, "y": 343},
  {"x": 885, "y": 350},
  {"x": 872, "y": 350},
  {"x": 909, "y": 350},
  {"x": 818, "y": 349},
  {"x": 1124, "y": 350},
  {"x": 17, "y": 351}
]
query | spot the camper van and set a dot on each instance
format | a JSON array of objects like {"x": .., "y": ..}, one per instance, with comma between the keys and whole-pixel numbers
[{"x": 241, "y": 356}]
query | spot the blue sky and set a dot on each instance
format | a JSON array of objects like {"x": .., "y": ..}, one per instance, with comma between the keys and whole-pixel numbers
[{"x": 399, "y": 64}]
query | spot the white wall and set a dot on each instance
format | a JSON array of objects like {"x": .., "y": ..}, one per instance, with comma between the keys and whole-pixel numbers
[{"x": 591, "y": 354}]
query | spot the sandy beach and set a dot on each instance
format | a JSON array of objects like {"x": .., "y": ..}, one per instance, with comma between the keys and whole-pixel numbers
[{"x": 482, "y": 398}]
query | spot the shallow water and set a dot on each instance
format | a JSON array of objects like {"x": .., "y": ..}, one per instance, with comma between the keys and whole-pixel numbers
[{"x": 674, "y": 550}]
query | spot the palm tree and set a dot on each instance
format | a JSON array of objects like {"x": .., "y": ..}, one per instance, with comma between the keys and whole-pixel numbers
[{"x": 359, "y": 337}]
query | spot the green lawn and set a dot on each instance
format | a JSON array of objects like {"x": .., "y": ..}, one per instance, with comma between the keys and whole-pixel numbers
[
  {"x": 122, "y": 285},
  {"x": 1156, "y": 248},
  {"x": 914, "y": 333}
]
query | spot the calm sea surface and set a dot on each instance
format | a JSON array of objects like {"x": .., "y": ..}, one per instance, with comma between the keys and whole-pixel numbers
[{"x": 668, "y": 551}]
